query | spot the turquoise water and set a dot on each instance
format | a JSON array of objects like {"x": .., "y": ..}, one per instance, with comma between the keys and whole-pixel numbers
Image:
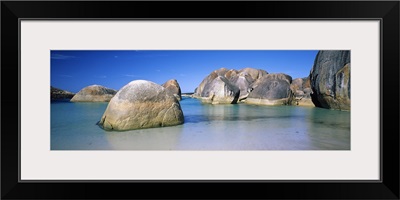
[{"x": 206, "y": 127}]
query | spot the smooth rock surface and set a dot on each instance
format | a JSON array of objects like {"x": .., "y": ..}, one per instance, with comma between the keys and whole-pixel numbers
[
  {"x": 243, "y": 81},
  {"x": 207, "y": 80},
  {"x": 142, "y": 104},
  {"x": 271, "y": 89},
  {"x": 330, "y": 80},
  {"x": 94, "y": 93},
  {"x": 220, "y": 91},
  {"x": 217, "y": 89}
]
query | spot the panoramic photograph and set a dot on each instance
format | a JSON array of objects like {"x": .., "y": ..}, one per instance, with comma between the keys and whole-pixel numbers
[{"x": 226, "y": 100}]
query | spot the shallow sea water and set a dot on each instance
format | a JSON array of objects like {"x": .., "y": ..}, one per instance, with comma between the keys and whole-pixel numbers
[{"x": 206, "y": 127}]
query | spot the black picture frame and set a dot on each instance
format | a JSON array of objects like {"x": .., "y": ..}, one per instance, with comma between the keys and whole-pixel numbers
[{"x": 386, "y": 11}]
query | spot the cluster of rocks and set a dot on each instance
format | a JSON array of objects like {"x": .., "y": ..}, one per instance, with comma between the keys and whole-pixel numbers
[
  {"x": 249, "y": 85},
  {"x": 327, "y": 86},
  {"x": 139, "y": 104}
]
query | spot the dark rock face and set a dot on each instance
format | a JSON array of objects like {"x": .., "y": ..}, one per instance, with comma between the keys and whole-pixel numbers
[
  {"x": 94, "y": 93},
  {"x": 141, "y": 104},
  {"x": 172, "y": 86},
  {"x": 330, "y": 80},
  {"x": 343, "y": 86},
  {"x": 58, "y": 94},
  {"x": 271, "y": 89}
]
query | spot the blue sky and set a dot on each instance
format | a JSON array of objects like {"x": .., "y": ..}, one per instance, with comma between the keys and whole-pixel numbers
[{"x": 74, "y": 70}]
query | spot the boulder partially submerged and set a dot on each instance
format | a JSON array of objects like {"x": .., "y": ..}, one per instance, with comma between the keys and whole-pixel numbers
[
  {"x": 94, "y": 93},
  {"x": 271, "y": 89},
  {"x": 220, "y": 91},
  {"x": 141, "y": 104},
  {"x": 330, "y": 80},
  {"x": 207, "y": 80},
  {"x": 217, "y": 89},
  {"x": 243, "y": 81}
]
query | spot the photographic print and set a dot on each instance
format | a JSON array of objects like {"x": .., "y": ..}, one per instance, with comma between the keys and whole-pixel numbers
[
  {"x": 114, "y": 117},
  {"x": 200, "y": 99}
]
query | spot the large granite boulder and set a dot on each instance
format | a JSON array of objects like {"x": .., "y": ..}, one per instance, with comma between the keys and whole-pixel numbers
[
  {"x": 220, "y": 91},
  {"x": 207, "y": 80},
  {"x": 142, "y": 104},
  {"x": 217, "y": 89},
  {"x": 330, "y": 80},
  {"x": 94, "y": 93},
  {"x": 243, "y": 81},
  {"x": 59, "y": 94},
  {"x": 271, "y": 89},
  {"x": 172, "y": 86}
]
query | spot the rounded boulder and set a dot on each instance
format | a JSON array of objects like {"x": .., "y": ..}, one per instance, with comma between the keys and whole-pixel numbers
[
  {"x": 141, "y": 104},
  {"x": 271, "y": 89}
]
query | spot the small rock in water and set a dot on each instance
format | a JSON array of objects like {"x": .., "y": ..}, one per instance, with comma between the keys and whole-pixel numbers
[{"x": 94, "y": 93}]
